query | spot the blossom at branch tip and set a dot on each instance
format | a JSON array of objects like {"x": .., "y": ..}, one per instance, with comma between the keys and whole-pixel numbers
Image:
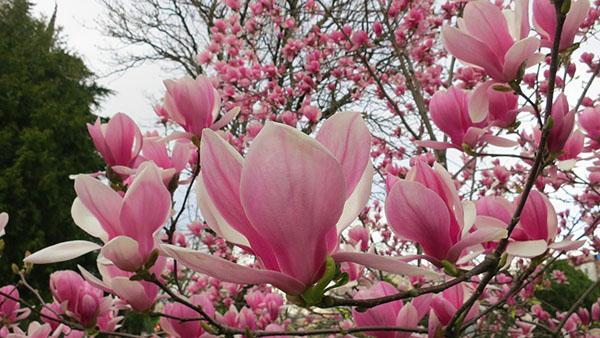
[
  {"x": 425, "y": 208},
  {"x": 194, "y": 104},
  {"x": 450, "y": 113},
  {"x": 127, "y": 225},
  {"x": 445, "y": 305},
  {"x": 534, "y": 233},
  {"x": 119, "y": 141},
  {"x": 286, "y": 202},
  {"x": 544, "y": 22},
  {"x": 10, "y": 309},
  {"x": 391, "y": 314},
  {"x": 499, "y": 107},
  {"x": 563, "y": 121},
  {"x": 492, "y": 40}
]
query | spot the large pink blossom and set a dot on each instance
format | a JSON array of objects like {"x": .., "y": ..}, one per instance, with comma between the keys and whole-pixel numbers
[
  {"x": 544, "y": 21},
  {"x": 496, "y": 42},
  {"x": 119, "y": 141}
]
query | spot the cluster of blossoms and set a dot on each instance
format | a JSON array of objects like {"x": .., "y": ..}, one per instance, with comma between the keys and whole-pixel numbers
[{"x": 285, "y": 192}]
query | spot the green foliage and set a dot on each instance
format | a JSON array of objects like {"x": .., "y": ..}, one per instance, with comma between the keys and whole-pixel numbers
[
  {"x": 562, "y": 296},
  {"x": 46, "y": 95}
]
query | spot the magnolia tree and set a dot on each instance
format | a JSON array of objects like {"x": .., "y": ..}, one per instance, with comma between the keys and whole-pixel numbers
[{"x": 387, "y": 169}]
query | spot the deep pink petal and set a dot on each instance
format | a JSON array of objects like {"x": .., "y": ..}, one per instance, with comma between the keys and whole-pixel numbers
[
  {"x": 293, "y": 192},
  {"x": 419, "y": 214},
  {"x": 146, "y": 206}
]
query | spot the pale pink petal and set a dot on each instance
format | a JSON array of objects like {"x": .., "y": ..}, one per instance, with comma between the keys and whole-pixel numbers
[
  {"x": 93, "y": 280},
  {"x": 132, "y": 292},
  {"x": 221, "y": 174},
  {"x": 518, "y": 54},
  {"x": 293, "y": 192},
  {"x": 486, "y": 222},
  {"x": 384, "y": 263},
  {"x": 567, "y": 245},
  {"x": 470, "y": 215},
  {"x": 407, "y": 317},
  {"x": 124, "y": 252},
  {"x": 358, "y": 199},
  {"x": 103, "y": 202},
  {"x": 485, "y": 22},
  {"x": 479, "y": 103},
  {"x": 468, "y": 49},
  {"x": 230, "y": 272},
  {"x": 499, "y": 141},
  {"x": 214, "y": 219},
  {"x": 146, "y": 206},
  {"x": 61, "y": 252},
  {"x": 347, "y": 137},
  {"x": 477, "y": 237},
  {"x": 527, "y": 248},
  {"x": 575, "y": 17},
  {"x": 223, "y": 121},
  {"x": 86, "y": 220},
  {"x": 419, "y": 214}
]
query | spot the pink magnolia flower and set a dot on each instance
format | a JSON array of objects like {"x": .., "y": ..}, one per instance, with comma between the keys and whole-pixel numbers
[
  {"x": 450, "y": 113},
  {"x": 3, "y": 223},
  {"x": 537, "y": 227},
  {"x": 119, "y": 141},
  {"x": 500, "y": 108},
  {"x": 126, "y": 224},
  {"x": 140, "y": 295},
  {"x": 390, "y": 314},
  {"x": 589, "y": 119},
  {"x": 445, "y": 305},
  {"x": 35, "y": 330},
  {"x": 287, "y": 202},
  {"x": 494, "y": 41},
  {"x": 171, "y": 162},
  {"x": 563, "y": 121},
  {"x": 425, "y": 208},
  {"x": 79, "y": 299},
  {"x": 190, "y": 328},
  {"x": 544, "y": 22},
  {"x": 194, "y": 104},
  {"x": 571, "y": 150},
  {"x": 10, "y": 308}
]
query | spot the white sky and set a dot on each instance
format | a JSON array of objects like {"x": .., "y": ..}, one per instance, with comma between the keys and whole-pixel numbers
[{"x": 136, "y": 89}]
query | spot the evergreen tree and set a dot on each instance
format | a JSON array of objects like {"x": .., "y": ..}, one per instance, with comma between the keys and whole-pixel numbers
[{"x": 46, "y": 97}]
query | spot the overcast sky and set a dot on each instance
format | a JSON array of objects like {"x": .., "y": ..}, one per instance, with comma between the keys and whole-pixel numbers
[{"x": 135, "y": 89}]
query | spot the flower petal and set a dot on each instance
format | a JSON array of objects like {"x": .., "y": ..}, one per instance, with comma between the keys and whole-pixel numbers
[
  {"x": 3, "y": 222},
  {"x": 419, "y": 214},
  {"x": 486, "y": 23},
  {"x": 214, "y": 219},
  {"x": 146, "y": 206},
  {"x": 230, "y": 272},
  {"x": 86, "y": 220},
  {"x": 61, "y": 252},
  {"x": 228, "y": 117},
  {"x": 357, "y": 200},
  {"x": 527, "y": 248},
  {"x": 479, "y": 102},
  {"x": 567, "y": 245},
  {"x": 477, "y": 237},
  {"x": 103, "y": 202},
  {"x": 347, "y": 137},
  {"x": 132, "y": 292},
  {"x": 221, "y": 174},
  {"x": 518, "y": 54},
  {"x": 293, "y": 192},
  {"x": 388, "y": 264},
  {"x": 470, "y": 50},
  {"x": 124, "y": 252}
]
